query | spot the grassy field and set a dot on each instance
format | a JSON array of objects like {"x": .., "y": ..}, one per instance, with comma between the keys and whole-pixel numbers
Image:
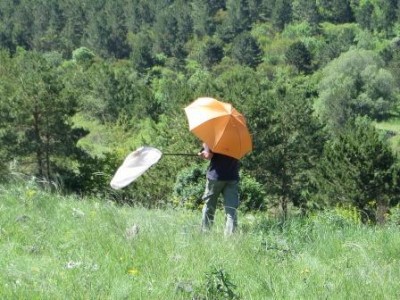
[
  {"x": 54, "y": 247},
  {"x": 392, "y": 127}
]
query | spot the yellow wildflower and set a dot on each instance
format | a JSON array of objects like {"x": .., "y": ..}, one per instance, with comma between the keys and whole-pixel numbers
[{"x": 133, "y": 271}]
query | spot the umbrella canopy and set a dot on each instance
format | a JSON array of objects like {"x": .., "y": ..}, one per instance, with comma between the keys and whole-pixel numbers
[{"x": 220, "y": 126}]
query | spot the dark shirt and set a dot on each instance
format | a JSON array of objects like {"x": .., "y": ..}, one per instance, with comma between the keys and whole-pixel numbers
[{"x": 223, "y": 167}]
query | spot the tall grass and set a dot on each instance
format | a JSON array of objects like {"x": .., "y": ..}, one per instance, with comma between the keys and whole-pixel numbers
[
  {"x": 392, "y": 128},
  {"x": 54, "y": 247}
]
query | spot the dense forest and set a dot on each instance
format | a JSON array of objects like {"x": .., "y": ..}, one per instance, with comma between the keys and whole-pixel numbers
[{"x": 83, "y": 83}]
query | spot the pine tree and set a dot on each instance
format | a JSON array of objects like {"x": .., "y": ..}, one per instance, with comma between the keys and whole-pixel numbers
[
  {"x": 358, "y": 168},
  {"x": 39, "y": 124},
  {"x": 289, "y": 148}
]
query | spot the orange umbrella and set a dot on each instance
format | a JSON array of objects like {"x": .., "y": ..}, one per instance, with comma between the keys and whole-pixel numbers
[{"x": 220, "y": 126}]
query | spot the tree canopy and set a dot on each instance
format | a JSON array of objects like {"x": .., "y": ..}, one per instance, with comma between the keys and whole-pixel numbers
[{"x": 82, "y": 83}]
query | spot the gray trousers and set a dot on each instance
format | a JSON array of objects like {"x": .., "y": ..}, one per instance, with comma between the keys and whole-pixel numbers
[{"x": 230, "y": 191}]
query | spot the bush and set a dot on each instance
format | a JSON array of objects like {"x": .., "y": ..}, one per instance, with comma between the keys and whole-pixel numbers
[
  {"x": 338, "y": 217},
  {"x": 190, "y": 184},
  {"x": 394, "y": 215},
  {"x": 252, "y": 194}
]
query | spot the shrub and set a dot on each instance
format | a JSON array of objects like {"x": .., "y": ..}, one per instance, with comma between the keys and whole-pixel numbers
[
  {"x": 252, "y": 194},
  {"x": 190, "y": 184}
]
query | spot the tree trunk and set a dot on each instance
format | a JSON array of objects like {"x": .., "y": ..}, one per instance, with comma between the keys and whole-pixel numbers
[
  {"x": 39, "y": 152},
  {"x": 382, "y": 210}
]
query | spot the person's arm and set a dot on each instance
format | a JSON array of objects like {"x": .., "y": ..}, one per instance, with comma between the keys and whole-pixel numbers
[{"x": 205, "y": 152}]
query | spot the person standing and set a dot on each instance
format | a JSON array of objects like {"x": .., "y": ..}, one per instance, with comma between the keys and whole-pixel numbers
[{"x": 222, "y": 178}]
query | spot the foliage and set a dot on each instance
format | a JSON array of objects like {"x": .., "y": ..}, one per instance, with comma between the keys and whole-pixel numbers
[
  {"x": 113, "y": 75},
  {"x": 251, "y": 194},
  {"x": 305, "y": 11},
  {"x": 339, "y": 39},
  {"x": 142, "y": 56},
  {"x": 358, "y": 168},
  {"x": 83, "y": 56},
  {"x": 299, "y": 56},
  {"x": 336, "y": 11},
  {"x": 211, "y": 53},
  {"x": 355, "y": 84},
  {"x": 375, "y": 15},
  {"x": 281, "y": 13},
  {"x": 219, "y": 285},
  {"x": 189, "y": 186},
  {"x": 246, "y": 50},
  {"x": 289, "y": 149},
  {"x": 39, "y": 109},
  {"x": 337, "y": 217}
]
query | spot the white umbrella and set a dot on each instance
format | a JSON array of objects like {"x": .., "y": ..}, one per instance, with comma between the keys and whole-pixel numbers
[{"x": 136, "y": 163}]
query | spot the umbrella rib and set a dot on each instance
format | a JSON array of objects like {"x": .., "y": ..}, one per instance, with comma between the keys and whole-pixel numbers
[
  {"x": 200, "y": 124},
  {"x": 221, "y": 132},
  {"x": 229, "y": 120}
]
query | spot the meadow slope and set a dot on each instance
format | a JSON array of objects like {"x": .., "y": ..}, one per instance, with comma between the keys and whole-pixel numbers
[{"x": 57, "y": 247}]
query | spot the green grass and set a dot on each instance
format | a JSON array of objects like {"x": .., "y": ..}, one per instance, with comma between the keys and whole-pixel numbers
[
  {"x": 393, "y": 128},
  {"x": 54, "y": 247}
]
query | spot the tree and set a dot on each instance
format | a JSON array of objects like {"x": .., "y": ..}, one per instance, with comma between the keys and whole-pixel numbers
[
  {"x": 202, "y": 15},
  {"x": 335, "y": 11},
  {"x": 211, "y": 53},
  {"x": 22, "y": 29},
  {"x": 240, "y": 86},
  {"x": 305, "y": 11},
  {"x": 106, "y": 31},
  {"x": 298, "y": 55},
  {"x": 237, "y": 20},
  {"x": 363, "y": 13},
  {"x": 113, "y": 92},
  {"x": 287, "y": 151},
  {"x": 172, "y": 29},
  {"x": 142, "y": 55},
  {"x": 83, "y": 56},
  {"x": 246, "y": 50},
  {"x": 375, "y": 15},
  {"x": 171, "y": 90},
  {"x": 392, "y": 58},
  {"x": 359, "y": 169},
  {"x": 40, "y": 114},
  {"x": 8, "y": 135},
  {"x": 75, "y": 16},
  {"x": 47, "y": 23},
  {"x": 355, "y": 84},
  {"x": 141, "y": 14},
  {"x": 6, "y": 26},
  {"x": 339, "y": 38},
  {"x": 282, "y": 13}
]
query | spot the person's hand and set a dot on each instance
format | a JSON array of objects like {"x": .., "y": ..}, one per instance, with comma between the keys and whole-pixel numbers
[{"x": 206, "y": 154}]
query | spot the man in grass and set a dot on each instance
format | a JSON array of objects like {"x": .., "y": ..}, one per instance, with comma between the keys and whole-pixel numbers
[{"x": 222, "y": 178}]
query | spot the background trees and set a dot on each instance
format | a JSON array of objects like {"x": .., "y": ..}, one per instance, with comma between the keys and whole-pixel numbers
[
  {"x": 358, "y": 168},
  {"x": 288, "y": 151},
  {"x": 85, "y": 82},
  {"x": 299, "y": 56},
  {"x": 39, "y": 109},
  {"x": 355, "y": 84}
]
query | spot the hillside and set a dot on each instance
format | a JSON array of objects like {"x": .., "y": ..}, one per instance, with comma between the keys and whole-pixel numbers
[{"x": 54, "y": 247}]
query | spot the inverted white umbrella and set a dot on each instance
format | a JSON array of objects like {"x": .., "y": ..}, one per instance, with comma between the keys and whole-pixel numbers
[{"x": 136, "y": 163}]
